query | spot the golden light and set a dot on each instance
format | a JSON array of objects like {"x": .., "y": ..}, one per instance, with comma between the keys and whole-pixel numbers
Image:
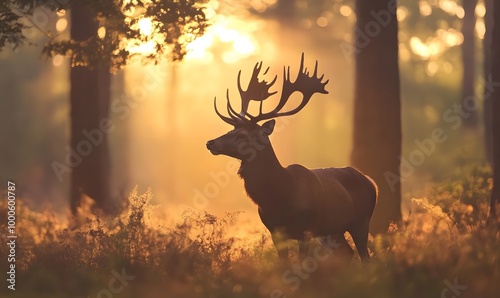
[
  {"x": 448, "y": 67},
  {"x": 425, "y": 8},
  {"x": 225, "y": 34},
  {"x": 448, "y": 6},
  {"x": 401, "y": 13},
  {"x": 453, "y": 38},
  {"x": 404, "y": 54},
  {"x": 419, "y": 48},
  {"x": 244, "y": 46},
  {"x": 402, "y": 36},
  {"x": 57, "y": 60},
  {"x": 145, "y": 26},
  {"x": 450, "y": 37},
  {"x": 480, "y": 28},
  {"x": 431, "y": 69},
  {"x": 199, "y": 48},
  {"x": 61, "y": 12},
  {"x": 480, "y": 9},
  {"x": 101, "y": 32},
  {"x": 345, "y": 10},
  {"x": 230, "y": 57},
  {"x": 61, "y": 24},
  {"x": 460, "y": 12},
  {"x": 322, "y": 22},
  {"x": 435, "y": 47},
  {"x": 146, "y": 48},
  {"x": 224, "y": 31}
]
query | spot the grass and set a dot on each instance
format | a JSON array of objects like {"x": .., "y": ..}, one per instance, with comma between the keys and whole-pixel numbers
[{"x": 442, "y": 246}]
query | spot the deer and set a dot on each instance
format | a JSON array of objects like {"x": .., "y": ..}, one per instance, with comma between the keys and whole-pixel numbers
[{"x": 294, "y": 203}]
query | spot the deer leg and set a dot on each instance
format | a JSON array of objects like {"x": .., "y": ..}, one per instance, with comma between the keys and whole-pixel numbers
[
  {"x": 304, "y": 248},
  {"x": 281, "y": 245},
  {"x": 359, "y": 234},
  {"x": 344, "y": 250}
]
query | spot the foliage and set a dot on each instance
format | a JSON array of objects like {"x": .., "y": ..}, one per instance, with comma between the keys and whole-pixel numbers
[
  {"x": 464, "y": 201},
  {"x": 174, "y": 25},
  {"x": 198, "y": 257}
]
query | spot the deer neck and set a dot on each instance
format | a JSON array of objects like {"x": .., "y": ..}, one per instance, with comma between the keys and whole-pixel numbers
[{"x": 266, "y": 181}]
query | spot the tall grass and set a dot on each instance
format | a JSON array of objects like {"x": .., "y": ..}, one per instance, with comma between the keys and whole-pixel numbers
[{"x": 441, "y": 247}]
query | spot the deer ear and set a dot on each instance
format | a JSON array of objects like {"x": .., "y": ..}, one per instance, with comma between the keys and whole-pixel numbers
[{"x": 268, "y": 126}]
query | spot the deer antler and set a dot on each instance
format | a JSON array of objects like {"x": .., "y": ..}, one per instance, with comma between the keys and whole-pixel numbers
[
  {"x": 256, "y": 90},
  {"x": 259, "y": 91}
]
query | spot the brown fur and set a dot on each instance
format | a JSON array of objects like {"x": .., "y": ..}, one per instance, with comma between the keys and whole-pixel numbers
[{"x": 297, "y": 202}]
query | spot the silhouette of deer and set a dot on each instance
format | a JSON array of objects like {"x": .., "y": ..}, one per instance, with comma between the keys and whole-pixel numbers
[{"x": 294, "y": 203}]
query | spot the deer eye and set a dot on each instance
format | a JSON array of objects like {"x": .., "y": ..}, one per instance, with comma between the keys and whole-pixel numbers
[{"x": 240, "y": 137}]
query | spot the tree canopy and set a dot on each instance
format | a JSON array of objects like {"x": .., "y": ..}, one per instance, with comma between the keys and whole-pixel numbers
[{"x": 125, "y": 26}]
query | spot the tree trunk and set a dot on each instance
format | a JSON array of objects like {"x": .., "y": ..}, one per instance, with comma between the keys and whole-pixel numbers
[
  {"x": 89, "y": 99},
  {"x": 488, "y": 22},
  {"x": 377, "y": 108},
  {"x": 285, "y": 10},
  {"x": 468, "y": 60},
  {"x": 120, "y": 160},
  {"x": 495, "y": 98}
]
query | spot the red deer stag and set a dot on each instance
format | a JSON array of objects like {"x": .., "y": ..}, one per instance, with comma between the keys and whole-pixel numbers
[{"x": 294, "y": 202}]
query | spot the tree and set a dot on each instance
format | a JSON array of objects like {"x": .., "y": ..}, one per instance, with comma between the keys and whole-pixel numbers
[
  {"x": 377, "y": 109},
  {"x": 90, "y": 100},
  {"x": 495, "y": 99},
  {"x": 468, "y": 57},
  {"x": 488, "y": 22},
  {"x": 285, "y": 10},
  {"x": 94, "y": 54}
]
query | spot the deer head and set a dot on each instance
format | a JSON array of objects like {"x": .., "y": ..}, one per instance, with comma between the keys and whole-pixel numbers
[{"x": 247, "y": 133}]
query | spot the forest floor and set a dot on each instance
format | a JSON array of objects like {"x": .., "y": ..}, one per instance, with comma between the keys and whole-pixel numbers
[{"x": 443, "y": 248}]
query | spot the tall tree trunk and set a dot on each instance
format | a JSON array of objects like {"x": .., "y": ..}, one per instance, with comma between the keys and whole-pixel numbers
[
  {"x": 488, "y": 22},
  {"x": 285, "y": 10},
  {"x": 468, "y": 59},
  {"x": 120, "y": 160},
  {"x": 495, "y": 98},
  {"x": 89, "y": 98},
  {"x": 377, "y": 107}
]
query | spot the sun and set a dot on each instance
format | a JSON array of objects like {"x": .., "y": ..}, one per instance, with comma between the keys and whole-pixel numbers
[{"x": 234, "y": 36}]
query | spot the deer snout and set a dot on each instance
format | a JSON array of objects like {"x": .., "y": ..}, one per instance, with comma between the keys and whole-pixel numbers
[{"x": 211, "y": 146}]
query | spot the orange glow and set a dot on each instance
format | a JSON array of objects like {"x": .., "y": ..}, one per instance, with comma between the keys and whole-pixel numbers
[
  {"x": 345, "y": 10},
  {"x": 425, "y": 8},
  {"x": 480, "y": 9},
  {"x": 61, "y": 24},
  {"x": 145, "y": 26},
  {"x": 402, "y": 13},
  {"x": 225, "y": 30}
]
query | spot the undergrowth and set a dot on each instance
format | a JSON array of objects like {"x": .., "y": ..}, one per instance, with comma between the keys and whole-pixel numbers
[{"x": 443, "y": 248}]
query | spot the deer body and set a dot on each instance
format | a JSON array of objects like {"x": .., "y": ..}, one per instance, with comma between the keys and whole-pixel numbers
[{"x": 295, "y": 202}]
